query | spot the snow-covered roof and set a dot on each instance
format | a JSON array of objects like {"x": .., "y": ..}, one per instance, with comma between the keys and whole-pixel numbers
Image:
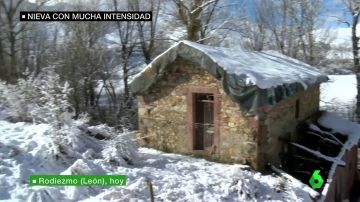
[
  {"x": 264, "y": 69},
  {"x": 248, "y": 77}
]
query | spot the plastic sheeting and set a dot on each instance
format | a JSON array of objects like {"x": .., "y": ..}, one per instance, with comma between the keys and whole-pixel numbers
[{"x": 252, "y": 79}]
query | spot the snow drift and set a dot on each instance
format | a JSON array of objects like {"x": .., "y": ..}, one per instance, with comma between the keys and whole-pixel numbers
[{"x": 25, "y": 150}]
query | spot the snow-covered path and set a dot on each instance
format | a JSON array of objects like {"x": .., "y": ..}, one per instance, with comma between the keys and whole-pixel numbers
[
  {"x": 23, "y": 152},
  {"x": 20, "y": 148}
]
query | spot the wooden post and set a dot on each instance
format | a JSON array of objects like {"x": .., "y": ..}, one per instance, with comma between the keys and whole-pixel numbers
[{"x": 149, "y": 185}]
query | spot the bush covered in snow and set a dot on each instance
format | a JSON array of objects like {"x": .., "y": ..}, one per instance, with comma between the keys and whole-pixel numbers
[
  {"x": 41, "y": 99},
  {"x": 21, "y": 98},
  {"x": 27, "y": 149},
  {"x": 53, "y": 106},
  {"x": 44, "y": 99},
  {"x": 79, "y": 140}
]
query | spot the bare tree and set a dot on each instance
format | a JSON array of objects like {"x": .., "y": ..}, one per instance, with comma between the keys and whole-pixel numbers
[
  {"x": 289, "y": 26},
  {"x": 353, "y": 7},
  {"x": 147, "y": 30},
  {"x": 256, "y": 30},
  {"x": 309, "y": 12},
  {"x": 126, "y": 33},
  {"x": 11, "y": 27},
  {"x": 12, "y": 36},
  {"x": 35, "y": 45},
  {"x": 196, "y": 15},
  {"x": 128, "y": 42},
  {"x": 3, "y": 72},
  {"x": 81, "y": 59},
  {"x": 275, "y": 22}
]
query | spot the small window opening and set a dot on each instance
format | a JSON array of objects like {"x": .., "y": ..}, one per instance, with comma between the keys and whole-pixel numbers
[{"x": 278, "y": 94}]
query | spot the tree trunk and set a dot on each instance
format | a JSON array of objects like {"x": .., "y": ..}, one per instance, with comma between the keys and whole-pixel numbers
[
  {"x": 126, "y": 83},
  {"x": 147, "y": 56},
  {"x": 91, "y": 94},
  {"x": 355, "y": 45},
  {"x": 355, "y": 49},
  {"x": 193, "y": 30},
  {"x": 12, "y": 72},
  {"x": 3, "y": 71},
  {"x": 357, "y": 113}
]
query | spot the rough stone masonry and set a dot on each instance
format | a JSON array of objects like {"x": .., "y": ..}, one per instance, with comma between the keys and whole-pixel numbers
[{"x": 164, "y": 119}]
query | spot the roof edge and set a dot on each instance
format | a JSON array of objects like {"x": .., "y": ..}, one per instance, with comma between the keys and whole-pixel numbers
[{"x": 149, "y": 75}]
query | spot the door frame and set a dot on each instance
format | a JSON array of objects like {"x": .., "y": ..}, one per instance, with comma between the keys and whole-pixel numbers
[{"x": 191, "y": 115}]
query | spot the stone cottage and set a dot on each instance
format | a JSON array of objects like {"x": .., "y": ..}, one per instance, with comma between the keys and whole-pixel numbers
[
  {"x": 223, "y": 104},
  {"x": 256, "y": 108}
]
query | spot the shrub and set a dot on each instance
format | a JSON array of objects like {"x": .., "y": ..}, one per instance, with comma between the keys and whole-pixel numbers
[{"x": 40, "y": 99}]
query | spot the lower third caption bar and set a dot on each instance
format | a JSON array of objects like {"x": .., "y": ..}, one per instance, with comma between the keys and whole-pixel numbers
[{"x": 78, "y": 180}]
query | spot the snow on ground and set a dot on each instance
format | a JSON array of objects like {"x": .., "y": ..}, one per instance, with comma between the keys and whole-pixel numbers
[
  {"x": 174, "y": 177},
  {"x": 339, "y": 95}
]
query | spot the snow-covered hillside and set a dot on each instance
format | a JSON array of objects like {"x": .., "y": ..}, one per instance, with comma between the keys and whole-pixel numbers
[
  {"x": 23, "y": 152},
  {"x": 25, "y": 149},
  {"x": 340, "y": 41},
  {"x": 340, "y": 36},
  {"x": 339, "y": 95}
]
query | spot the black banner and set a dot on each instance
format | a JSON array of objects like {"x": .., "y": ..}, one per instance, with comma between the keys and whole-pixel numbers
[{"x": 85, "y": 16}]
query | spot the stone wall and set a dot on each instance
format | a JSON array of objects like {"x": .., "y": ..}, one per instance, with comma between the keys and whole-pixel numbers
[
  {"x": 280, "y": 122},
  {"x": 163, "y": 117}
]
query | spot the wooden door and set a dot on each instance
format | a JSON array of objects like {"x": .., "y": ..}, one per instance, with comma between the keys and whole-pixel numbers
[{"x": 203, "y": 121}]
